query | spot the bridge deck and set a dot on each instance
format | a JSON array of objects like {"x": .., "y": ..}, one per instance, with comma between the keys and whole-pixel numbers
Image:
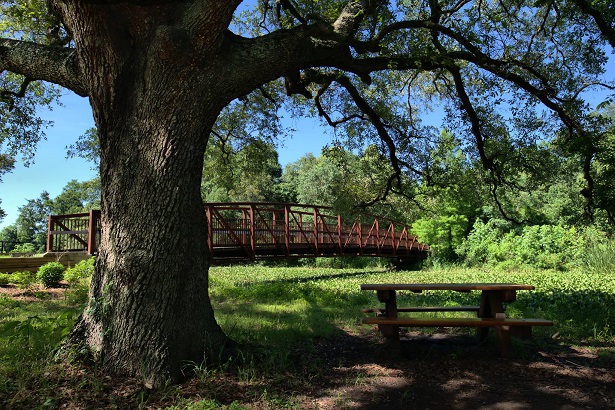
[{"x": 256, "y": 231}]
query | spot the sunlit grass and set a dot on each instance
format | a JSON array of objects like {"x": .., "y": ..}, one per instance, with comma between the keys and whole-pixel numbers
[{"x": 580, "y": 304}]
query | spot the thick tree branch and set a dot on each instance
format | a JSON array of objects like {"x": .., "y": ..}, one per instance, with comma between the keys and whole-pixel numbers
[
  {"x": 56, "y": 65},
  {"x": 350, "y": 17},
  {"x": 606, "y": 27},
  {"x": 472, "y": 116},
  {"x": 208, "y": 20},
  {"x": 288, "y": 6}
]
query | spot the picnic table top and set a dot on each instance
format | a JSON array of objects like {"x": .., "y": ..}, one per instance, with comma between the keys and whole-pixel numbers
[{"x": 461, "y": 287}]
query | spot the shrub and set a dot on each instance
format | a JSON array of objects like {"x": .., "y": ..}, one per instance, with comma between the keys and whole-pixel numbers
[
  {"x": 50, "y": 274},
  {"x": 538, "y": 246},
  {"x": 598, "y": 252},
  {"x": 82, "y": 270},
  {"x": 23, "y": 280},
  {"x": 481, "y": 245},
  {"x": 4, "y": 279},
  {"x": 25, "y": 248}
]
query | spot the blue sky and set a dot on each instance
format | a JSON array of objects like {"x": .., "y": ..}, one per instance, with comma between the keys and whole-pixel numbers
[{"x": 52, "y": 170}]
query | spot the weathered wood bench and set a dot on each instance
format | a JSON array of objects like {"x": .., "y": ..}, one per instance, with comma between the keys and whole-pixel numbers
[
  {"x": 505, "y": 327},
  {"x": 490, "y": 312},
  {"x": 425, "y": 309}
]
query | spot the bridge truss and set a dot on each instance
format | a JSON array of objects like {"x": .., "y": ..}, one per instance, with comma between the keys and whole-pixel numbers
[{"x": 244, "y": 231}]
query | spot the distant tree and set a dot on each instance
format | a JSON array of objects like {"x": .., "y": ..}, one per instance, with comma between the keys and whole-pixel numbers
[
  {"x": 249, "y": 172},
  {"x": 77, "y": 197},
  {"x": 8, "y": 235},
  {"x": 603, "y": 163},
  {"x": 32, "y": 221}
]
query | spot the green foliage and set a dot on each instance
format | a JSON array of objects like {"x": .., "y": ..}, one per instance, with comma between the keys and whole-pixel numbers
[
  {"x": 480, "y": 246},
  {"x": 32, "y": 220},
  {"x": 23, "y": 280},
  {"x": 538, "y": 246},
  {"x": 3, "y": 168},
  {"x": 31, "y": 224},
  {"x": 597, "y": 252},
  {"x": 5, "y": 279},
  {"x": 443, "y": 234},
  {"x": 38, "y": 332},
  {"x": 86, "y": 147},
  {"x": 25, "y": 248},
  {"x": 249, "y": 172},
  {"x": 50, "y": 274},
  {"x": 77, "y": 197},
  {"x": 82, "y": 270},
  {"x": 8, "y": 234}
]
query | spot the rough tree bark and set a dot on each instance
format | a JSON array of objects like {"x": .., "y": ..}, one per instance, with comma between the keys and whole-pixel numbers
[
  {"x": 149, "y": 312},
  {"x": 157, "y": 77}
]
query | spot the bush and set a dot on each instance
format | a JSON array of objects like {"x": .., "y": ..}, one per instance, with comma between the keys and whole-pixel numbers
[
  {"x": 25, "y": 248},
  {"x": 50, "y": 274},
  {"x": 598, "y": 252},
  {"x": 481, "y": 245},
  {"x": 4, "y": 279},
  {"x": 82, "y": 270},
  {"x": 23, "y": 280},
  {"x": 538, "y": 246}
]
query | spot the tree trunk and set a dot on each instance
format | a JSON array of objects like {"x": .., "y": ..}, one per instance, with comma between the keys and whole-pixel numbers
[
  {"x": 158, "y": 74},
  {"x": 149, "y": 313}
]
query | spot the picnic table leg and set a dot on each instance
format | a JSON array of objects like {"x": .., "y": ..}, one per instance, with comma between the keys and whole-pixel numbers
[
  {"x": 504, "y": 339},
  {"x": 389, "y": 298},
  {"x": 491, "y": 304}
]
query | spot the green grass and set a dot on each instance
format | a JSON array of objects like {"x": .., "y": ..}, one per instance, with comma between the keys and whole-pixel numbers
[
  {"x": 277, "y": 315},
  {"x": 273, "y": 305}
]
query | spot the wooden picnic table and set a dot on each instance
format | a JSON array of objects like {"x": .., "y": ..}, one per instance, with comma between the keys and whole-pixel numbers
[{"x": 490, "y": 310}]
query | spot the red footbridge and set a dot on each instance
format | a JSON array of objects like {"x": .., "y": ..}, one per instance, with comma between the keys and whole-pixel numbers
[{"x": 243, "y": 231}]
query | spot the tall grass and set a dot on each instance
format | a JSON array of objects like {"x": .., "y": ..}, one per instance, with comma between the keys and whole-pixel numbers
[{"x": 598, "y": 254}]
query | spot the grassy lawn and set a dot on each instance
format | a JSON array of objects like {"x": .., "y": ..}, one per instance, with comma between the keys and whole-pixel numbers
[{"x": 282, "y": 318}]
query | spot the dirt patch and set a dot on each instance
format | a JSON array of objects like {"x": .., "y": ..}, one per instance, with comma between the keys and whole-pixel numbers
[
  {"x": 454, "y": 372},
  {"x": 33, "y": 293}
]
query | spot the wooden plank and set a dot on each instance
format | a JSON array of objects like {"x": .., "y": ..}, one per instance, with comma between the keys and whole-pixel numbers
[
  {"x": 426, "y": 309},
  {"x": 454, "y": 322},
  {"x": 460, "y": 287},
  {"x": 82, "y": 232}
]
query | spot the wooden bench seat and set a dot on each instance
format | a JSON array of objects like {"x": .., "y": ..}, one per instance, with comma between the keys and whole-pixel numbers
[
  {"x": 504, "y": 327},
  {"x": 426, "y": 309},
  {"x": 454, "y": 321}
]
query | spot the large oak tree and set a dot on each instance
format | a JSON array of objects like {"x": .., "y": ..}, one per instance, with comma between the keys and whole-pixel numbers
[{"x": 159, "y": 73}]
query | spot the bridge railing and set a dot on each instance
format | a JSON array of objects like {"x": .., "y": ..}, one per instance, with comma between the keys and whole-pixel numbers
[
  {"x": 256, "y": 231},
  {"x": 74, "y": 232},
  {"x": 250, "y": 231}
]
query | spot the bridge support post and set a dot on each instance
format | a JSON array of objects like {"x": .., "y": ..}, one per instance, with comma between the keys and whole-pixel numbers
[
  {"x": 287, "y": 229},
  {"x": 93, "y": 224},
  {"x": 49, "y": 234},
  {"x": 252, "y": 230}
]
